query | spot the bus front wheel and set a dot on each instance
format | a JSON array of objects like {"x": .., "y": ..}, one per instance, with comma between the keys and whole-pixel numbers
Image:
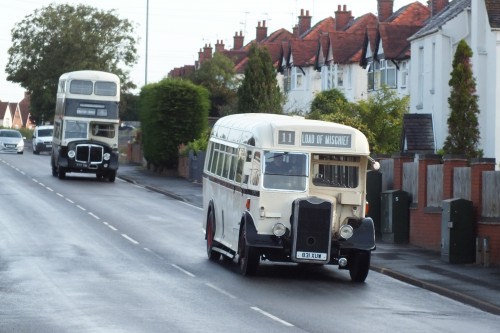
[
  {"x": 212, "y": 255},
  {"x": 61, "y": 173},
  {"x": 248, "y": 255},
  {"x": 359, "y": 265},
  {"x": 111, "y": 176}
]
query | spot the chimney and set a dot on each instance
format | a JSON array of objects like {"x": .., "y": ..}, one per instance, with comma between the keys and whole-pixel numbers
[
  {"x": 296, "y": 31},
  {"x": 385, "y": 9},
  {"x": 238, "y": 41},
  {"x": 304, "y": 22},
  {"x": 219, "y": 46},
  {"x": 200, "y": 56},
  {"x": 342, "y": 18},
  {"x": 437, "y": 5},
  {"x": 207, "y": 52},
  {"x": 261, "y": 32}
]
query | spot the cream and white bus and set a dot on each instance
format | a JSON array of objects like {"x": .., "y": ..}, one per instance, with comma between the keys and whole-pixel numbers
[
  {"x": 287, "y": 189},
  {"x": 86, "y": 123}
]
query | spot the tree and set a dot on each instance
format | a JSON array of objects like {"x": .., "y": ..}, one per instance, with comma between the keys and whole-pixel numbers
[
  {"x": 329, "y": 102},
  {"x": 380, "y": 117},
  {"x": 259, "y": 92},
  {"x": 62, "y": 38},
  {"x": 463, "y": 127},
  {"x": 172, "y": 112},
  {"x": 218, "y": 76}
]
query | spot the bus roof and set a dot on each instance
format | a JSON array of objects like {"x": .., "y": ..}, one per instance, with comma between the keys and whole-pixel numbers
[
  {"x": 272, "y": 131},
  {"x": 90, "y": 75}
]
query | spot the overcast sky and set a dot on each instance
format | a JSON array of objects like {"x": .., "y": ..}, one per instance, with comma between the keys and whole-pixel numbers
[{"x": 179, "y": 28}]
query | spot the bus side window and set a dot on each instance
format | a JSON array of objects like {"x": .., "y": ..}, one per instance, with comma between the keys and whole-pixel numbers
[
  {"x": 255, "y": 172},
  {"x": 239, "y": 165}
]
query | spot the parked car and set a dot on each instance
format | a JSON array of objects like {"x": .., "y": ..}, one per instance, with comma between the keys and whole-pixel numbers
[
  {"x": 42, "y": 138},
  {"x": 11, "y": 141}
]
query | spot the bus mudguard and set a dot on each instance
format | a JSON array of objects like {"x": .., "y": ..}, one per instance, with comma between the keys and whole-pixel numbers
[
  {"x": 254, "y": 239},
  {"x": 363, "y": 237}
]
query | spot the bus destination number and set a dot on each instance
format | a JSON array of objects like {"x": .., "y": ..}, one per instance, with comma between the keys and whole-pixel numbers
[
  {"x": 286, "y": 137},
  {"x": 311, "y": 255}
]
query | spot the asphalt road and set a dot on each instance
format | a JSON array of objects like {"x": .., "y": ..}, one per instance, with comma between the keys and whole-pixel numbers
[{"x": 81, "y": 255}]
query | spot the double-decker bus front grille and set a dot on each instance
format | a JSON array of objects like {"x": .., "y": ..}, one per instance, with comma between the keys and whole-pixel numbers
[{"x": 91, "y": 154}]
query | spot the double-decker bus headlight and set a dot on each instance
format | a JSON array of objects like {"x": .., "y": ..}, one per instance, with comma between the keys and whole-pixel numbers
[
  {"x": 279, "y": 229},
  {"x": 71, "y": 154},
  {"x": 346, "y": 231},
  {"x": 106, "y": 156}
]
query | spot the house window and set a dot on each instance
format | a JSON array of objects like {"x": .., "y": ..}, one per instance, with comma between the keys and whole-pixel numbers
[
  {"x": 404, "y": 74},
  {"x": 371, "y": 84},
  {"x": 420, "y": 95},
  {"x": 298, "y": 82},
  {"x": 376, "y": 75},
  {"x": 388, "y": 73},
  {"x": 287, "y": 83},
  {"x": 340, "y": 76}
]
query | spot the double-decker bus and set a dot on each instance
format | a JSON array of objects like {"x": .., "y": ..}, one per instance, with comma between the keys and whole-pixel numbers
[
  {"x": 287, "y": 189},
  {"x": 85, "y": 137}
]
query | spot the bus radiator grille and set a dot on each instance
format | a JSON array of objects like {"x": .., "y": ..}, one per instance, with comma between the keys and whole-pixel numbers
[{"x": 89, "y": 154}]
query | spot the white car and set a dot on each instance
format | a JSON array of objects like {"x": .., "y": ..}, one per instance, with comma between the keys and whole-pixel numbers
[
  {"x": 42, "y": 138},
  {"x": 11, "y": 141}
]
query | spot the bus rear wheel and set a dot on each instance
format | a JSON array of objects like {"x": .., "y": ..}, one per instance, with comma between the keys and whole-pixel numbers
[
  {"x": 248, "y": 255},
  {"x": 211, "y": 253},
  {"x": 359, "y": 265}
]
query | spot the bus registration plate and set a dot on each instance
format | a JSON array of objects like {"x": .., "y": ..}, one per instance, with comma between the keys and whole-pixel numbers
[{"x": 311, "y": 255}]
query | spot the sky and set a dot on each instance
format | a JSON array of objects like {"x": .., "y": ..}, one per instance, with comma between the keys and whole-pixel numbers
[{"x": 178, "y": 29}]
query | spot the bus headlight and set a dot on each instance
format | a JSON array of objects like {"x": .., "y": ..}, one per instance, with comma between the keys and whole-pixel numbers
[
  {"x": 279, "y": 229},
  {"x": 106, "y": 156},
  {"x": 71, "y": 154},
  {"x": 346, "y": 231}
]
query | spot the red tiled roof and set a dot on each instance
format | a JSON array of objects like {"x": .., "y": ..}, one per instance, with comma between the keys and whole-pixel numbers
[
  {"x": 359, "y": 24},
  {"x": 303, "y": 52},
  {"x": 345, "y": 46},
  {"x": 3, "y": 109},
  {"x": 326, "y": 25},
  {"x": 412, "y": 14},
  {"x": 394, "y": 39}
]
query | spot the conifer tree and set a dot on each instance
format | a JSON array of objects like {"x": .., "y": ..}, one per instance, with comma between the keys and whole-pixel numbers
[
  {"x": 259, "y": 91},
  {"x": 463, "y": 127}
]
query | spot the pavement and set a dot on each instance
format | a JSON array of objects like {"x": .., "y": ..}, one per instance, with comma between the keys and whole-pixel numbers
[{"x": 470, "y": 284}]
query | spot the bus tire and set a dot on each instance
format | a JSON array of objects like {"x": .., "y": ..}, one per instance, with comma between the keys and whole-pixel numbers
[
  {"x": 111, "y": 176},
  {"x": 211, "y": 254},
  {"x": 249, "y": 258},
  {"x": 61, "y": 173},
  {"x": 359, "y": 265}
]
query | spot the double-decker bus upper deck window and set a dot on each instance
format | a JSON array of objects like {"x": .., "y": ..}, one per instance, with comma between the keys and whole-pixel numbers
[
  {"x": 81, "y": 87},
  {"x": 102, "y": 88},
  {"x": 335, "y": 170},
  {"x": 285, "y": 170}
]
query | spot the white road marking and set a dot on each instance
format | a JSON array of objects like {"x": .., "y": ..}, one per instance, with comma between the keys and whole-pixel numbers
[
  {"x": 70, "y": 201},
  {"x": 94, "y": 216},
  {"x": 267, "y": 314},
  {"x": 59, "y": 194},
  {"x": 220, "y": 290},
  {"x": 130, "y": 239},
  {"x": 81, "y": 207},
  {"x": 153, "y": 253},
  {"x": 183, "y": 270},
  {"x": 109, "y": 226},
  {"x": 48, "y": 188}
]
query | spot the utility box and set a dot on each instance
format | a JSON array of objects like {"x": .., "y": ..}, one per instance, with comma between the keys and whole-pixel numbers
[
  {"x": 458, "y": 239},
  {"x": 395, "y": 217}
]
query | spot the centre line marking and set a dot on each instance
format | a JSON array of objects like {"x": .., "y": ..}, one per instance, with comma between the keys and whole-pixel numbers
[
  {"x": 80, "y": 207},
  {"x": 267, "y": 314},
  {"x": 94, "y": 216},
  {"x": 220, "y": 290},
  {"x": 183, "y": 270},
  {"x": 130, "y": 239}
]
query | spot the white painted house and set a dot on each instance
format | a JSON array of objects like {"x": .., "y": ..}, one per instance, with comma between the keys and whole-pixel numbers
[{"x": 433, "y": 49}]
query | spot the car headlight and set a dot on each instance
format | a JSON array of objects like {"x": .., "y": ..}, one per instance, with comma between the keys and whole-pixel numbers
[
  {"x": 71, "y": 153},
  {"x": 346, "y": 231},
  {"x": 279, "y": 229},
  {"x": 106, "y": 156}
]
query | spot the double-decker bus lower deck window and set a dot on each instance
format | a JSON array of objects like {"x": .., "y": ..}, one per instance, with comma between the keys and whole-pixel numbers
[
  {"x": 285, "y": 170},
  {"x": 74, "y": 129},
  {"x": 335, "y": 170}
]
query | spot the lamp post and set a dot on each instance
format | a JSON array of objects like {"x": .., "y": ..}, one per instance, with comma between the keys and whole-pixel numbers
[{"x": 147, "y": 37}]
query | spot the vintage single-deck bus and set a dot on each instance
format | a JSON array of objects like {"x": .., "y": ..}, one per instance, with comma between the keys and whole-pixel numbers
[
  {"x": 86, "y": 122},
  {"x": 283, "y": 188}
]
